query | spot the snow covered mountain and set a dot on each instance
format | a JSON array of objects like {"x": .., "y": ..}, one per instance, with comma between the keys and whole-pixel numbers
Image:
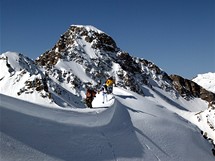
[
  {"x": 151, "y": 116},
  {"x": 86, "y": 56}
]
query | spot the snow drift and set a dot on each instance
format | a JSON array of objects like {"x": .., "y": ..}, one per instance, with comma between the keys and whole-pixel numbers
[{"x": 131, "y": 128}]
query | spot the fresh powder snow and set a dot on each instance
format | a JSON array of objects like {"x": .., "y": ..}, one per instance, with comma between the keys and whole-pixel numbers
[{"x": 126, "y": 127}]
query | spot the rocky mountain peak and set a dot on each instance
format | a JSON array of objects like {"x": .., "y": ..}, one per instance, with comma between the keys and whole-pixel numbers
[
  {"x": 99, "y": 56},
  {"x": 76, "y": 42}
]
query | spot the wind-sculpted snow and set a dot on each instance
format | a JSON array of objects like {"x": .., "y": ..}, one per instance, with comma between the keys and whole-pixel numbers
[
  {"x": 69, "y": 135},
  {"x": 79, "y": 117},
  {"x": 127, "y": 127}
]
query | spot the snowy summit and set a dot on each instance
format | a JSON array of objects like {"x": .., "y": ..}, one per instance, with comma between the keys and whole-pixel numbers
[{"x": 148, "y": 116}]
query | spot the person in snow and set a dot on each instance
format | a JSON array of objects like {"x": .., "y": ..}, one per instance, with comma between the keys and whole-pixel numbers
[
  {"x": 90, "y": 94},
  {"x": 104, "y": 92},
  {"x": 109, "y": 83}
]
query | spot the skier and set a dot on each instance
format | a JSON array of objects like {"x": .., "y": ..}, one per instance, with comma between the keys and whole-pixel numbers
[
  {"x": 109, "y": 83},
  {"x": 90, "y": 94},
  {"x": 104, "y": 92}
]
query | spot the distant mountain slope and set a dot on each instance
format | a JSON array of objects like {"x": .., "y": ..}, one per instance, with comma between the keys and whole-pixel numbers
[
  {"x": 206, "y": 80},
  {"x": 189, "y": 89}
]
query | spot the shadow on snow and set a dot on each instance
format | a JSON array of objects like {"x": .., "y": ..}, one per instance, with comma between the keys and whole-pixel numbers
[{"x": 115, "y": 139}]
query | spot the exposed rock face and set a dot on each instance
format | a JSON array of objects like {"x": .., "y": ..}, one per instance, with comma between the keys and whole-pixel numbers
[
  {"x": 48, "y": 59},
  {"x": 127, "y": 63},
  {"x": 70, "y": 41},
  {"x": 189, "y": 89}
]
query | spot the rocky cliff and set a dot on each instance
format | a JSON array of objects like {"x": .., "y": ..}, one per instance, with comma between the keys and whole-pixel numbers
[{"x": 189, "y": 89}]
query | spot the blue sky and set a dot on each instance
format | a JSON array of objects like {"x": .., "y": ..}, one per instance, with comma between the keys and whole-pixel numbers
[{"x": 177, "y": 35}]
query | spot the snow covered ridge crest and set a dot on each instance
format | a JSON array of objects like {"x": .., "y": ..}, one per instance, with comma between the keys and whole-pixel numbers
[
  {"x": 23, "y": 79},
  {"x": 20, "y": 77}
]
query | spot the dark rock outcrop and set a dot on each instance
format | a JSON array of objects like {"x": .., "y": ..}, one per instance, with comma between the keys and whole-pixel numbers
[
  {"x": 98, "y": 41},
  {"x": 189, "y": 89}
]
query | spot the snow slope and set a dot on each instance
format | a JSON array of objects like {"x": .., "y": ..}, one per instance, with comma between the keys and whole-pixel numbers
[
  {"x": 127, "y": 127},
  {"x": 21, "y": 78},
  {"x": 205, "y": 119},
  {"x": 16, "y": 70},
  {"x": 206, "y": 80}
]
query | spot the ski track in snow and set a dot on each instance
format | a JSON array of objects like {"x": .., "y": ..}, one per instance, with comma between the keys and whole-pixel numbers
[{"x": 108, "y": 142}]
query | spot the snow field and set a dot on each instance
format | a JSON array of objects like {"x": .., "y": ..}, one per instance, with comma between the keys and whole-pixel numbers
[{"x": 126, "y": 127}]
